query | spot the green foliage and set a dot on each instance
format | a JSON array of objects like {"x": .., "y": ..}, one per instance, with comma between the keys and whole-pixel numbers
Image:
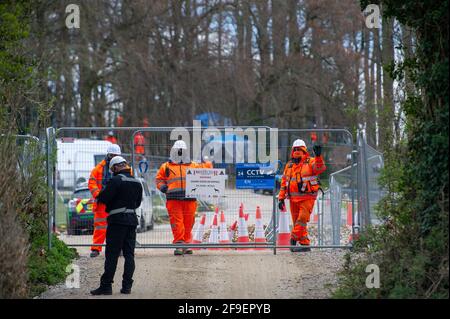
[
  {"x": 13, "y": 67},
  {"x": 23, "y": 208},
  {"x": 48, "y": 267},
  {"x": 411, "y": 247}
]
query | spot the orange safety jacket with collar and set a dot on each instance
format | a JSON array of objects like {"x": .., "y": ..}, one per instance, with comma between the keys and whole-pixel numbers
[
  {"x": 174, "y": 176},
  {"x": 300, "y": 181}
]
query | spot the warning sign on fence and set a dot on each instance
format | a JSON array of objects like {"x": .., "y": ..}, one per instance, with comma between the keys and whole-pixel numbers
[
  {"x": 205, "y": 183},
  {"x": 255, "y": 176}
]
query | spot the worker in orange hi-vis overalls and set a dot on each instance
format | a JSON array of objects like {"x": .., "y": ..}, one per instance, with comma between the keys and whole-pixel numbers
[
  {"x": 171, "y": 180},
  {"x": 300, "y": 184},
  {"x": 139, "y": 145},
  {"x": 111, "y": 138},
  {"x": 99, "y": 177}
]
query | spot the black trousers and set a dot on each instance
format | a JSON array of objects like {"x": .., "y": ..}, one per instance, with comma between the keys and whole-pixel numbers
[{"x": 119, "y": 238}]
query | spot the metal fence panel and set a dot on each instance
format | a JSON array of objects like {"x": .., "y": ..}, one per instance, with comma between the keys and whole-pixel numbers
[
  {"x": 79, "y": 149},
  {"x": 331, "y": 221},
  {"x": 370, "y": 163}
]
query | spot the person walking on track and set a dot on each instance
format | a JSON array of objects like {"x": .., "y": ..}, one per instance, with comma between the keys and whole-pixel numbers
[
  {"x": 121, "y": 196},
  {"x": 300, "y": 184}
]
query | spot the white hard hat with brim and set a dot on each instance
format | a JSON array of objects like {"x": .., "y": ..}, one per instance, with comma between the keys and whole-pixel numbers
[{"x": 116, "y": 160}]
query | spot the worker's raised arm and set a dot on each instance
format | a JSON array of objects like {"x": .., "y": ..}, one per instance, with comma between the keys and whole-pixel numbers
[{"x": 318, "y": 165}]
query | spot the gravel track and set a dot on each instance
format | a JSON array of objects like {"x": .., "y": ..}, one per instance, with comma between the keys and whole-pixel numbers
[{"x": 214, "y": 274}]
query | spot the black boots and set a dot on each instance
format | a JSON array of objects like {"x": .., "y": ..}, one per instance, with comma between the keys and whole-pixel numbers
[
  {"x": 125, "y": 291},
  {"x": 298, "y": 249},
  {"x": 304, "y": 249},
  {"x": 94, "y": 253},
  {"x": 107, "y": 290},
  {"x": 126, "y": 287},
  {"x": 293, "y": 243},
  {"x": 102, "y": 290}
]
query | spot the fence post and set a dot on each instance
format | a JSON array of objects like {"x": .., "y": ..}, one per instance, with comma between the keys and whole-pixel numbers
[
  {"x": 366, "y": 182},
  {"x": 274, "y": 218},
  {"x": 355, "y": 165},
  {"x": 50, "y": 181}
]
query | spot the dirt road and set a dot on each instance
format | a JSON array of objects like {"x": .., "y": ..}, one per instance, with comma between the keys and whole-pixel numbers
[{"x": 215, "y": 274}]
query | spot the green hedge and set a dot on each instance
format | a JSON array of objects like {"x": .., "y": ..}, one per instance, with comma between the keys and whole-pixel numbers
[{"x": 411, "y": 247}]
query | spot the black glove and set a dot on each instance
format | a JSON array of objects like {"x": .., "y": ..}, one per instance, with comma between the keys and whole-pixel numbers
[
  {"x": 317, "y": 150},
  {"x": 163, "y": 189},
  {"x": 281, "y": 204}
]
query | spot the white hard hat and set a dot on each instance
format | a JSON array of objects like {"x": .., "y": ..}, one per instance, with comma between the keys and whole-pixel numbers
[
  {"x": 299, "y": 143},
  {"x": 116, "y": 160},
  {"x": 110, "y": 133},
  {"x": 113, "y": 149},
  {"x": 180, "y": 145}
]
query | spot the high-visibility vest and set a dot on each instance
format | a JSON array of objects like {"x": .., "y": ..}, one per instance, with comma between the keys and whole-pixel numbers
[
  {"x": 139, "y": 144},
  {"x": 174, "y": 176},
  {"x": 300, "y": 180}
]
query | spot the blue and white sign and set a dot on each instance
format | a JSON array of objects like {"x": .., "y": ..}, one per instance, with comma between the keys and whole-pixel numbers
[{"x": 255, "y": 176}]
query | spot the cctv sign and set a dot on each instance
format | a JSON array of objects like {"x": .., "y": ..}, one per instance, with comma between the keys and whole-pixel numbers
[
  {"x": 254, "y": 176},
  {"x": 205, "y": 183}
]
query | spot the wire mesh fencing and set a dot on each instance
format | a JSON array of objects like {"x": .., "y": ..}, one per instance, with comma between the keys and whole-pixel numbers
[{"x": 369, "y": 165}]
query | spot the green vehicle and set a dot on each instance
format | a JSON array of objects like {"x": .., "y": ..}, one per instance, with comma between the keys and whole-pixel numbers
[{"x": 80, "y": 217}]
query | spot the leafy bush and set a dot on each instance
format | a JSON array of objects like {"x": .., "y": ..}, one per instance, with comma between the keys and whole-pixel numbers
[
  {"x": 25, "y": 264},
  {"x": 48, "y": 267},
  {"x": 411, "y": 247}
]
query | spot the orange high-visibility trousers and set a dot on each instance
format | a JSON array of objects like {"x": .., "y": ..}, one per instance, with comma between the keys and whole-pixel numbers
[
  {"x": 182, "y": 217},
  {"x": 300, "y": 212},
  {"x": 100, "y": 225}
]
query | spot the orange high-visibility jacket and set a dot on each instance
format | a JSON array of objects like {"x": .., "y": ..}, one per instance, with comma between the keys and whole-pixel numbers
[
  {"x": 139, "y": 143},
  {"x": 96, "y": 178},
  {"x": 95, "y": 181},
  {"x": 300, "y": 181},
  {"x": 174, "y": 176},
  {"x": 111, "y": 139}
]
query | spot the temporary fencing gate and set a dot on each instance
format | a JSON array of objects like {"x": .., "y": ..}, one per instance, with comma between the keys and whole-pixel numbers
[{"x": 77, "y": 150}]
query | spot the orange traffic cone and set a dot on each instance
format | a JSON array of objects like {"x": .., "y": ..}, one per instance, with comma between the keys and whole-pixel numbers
[
  {"x": 246, "y": 217},
  {"x": 316, "y": 212},
  {"x": 214, "y": 235},
  {"x": 284, "y": 234},
  {"x": 260, "y": 237},
  {"x": 349, "y": 214},
  {"x": 199, "y": 232},
  {"x": 216, "y": 213},
  {"x": 223, "y": 233},
  {"x": 242, "y": 228},
  {"x": 232, "y": 230}
]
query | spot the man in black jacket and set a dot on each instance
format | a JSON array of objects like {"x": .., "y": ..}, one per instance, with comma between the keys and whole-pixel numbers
[{"x": 122, "y": 195}]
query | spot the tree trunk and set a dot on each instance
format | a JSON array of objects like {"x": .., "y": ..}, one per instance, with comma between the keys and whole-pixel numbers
[{"x": 388, "y": 113}]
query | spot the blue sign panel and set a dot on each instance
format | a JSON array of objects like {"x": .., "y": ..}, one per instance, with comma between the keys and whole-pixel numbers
[{"x": 254, "y": 176}]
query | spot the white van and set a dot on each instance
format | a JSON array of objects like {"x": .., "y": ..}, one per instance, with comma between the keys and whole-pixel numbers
[
  {"x": 75, "y": 160},
  {"x": 145, "y": 211}
]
